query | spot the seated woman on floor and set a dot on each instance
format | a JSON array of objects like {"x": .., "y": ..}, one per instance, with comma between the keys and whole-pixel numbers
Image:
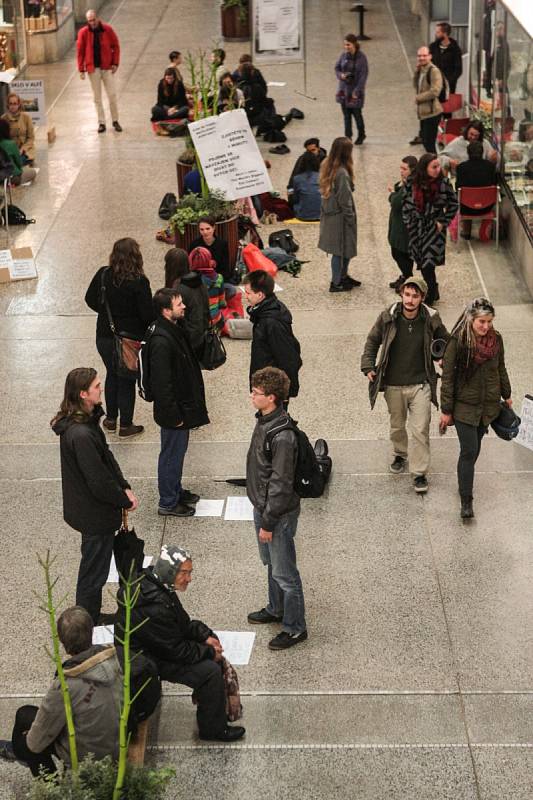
[
  {"x": 171, "y": 98},
  {"x": 21, "y": 128},
  {"x": 230, "y": 96},
  {"x": 21, "y": 173},
  {"x": 306, "y": 197}
]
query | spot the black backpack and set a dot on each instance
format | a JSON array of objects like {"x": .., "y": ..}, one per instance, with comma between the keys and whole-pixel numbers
[
  {"x": 16, "y": 216},
  {"x": 168, "y": 206},
  {"x": 285, "y": 240},
  {"x": 144, "y": 376},
  {"x": 313, "y": 464}
]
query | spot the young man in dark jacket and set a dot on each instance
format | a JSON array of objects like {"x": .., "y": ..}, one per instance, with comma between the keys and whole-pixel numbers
[
  {"x": 447, "y": 55},
  {"x": 475, "y": 172},
  {"x": 273, "y": 342},
  {"x": 270, "y": 489},
  {"x": 405, "y": 373},
  {"x": 184, "y": 650},
  {"x": 94, "y": 488},
  {"x": 179, "y": 399}
]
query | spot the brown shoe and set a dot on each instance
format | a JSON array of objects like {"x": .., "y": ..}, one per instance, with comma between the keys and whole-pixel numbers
[
  {"x": 131, "y": 430},
  {"x": 110, "y": 424}
]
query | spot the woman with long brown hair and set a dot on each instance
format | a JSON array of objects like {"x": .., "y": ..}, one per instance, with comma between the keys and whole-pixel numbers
[
  {"x": 338, "y": 220},
  {"x": 130, "y": 301},
  {"x": 171, "y": 98}
]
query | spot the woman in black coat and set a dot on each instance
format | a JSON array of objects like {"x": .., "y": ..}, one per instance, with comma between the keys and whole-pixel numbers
[
  {"x": 130, "y": 301},
  {"x": 171, "y": 98}
]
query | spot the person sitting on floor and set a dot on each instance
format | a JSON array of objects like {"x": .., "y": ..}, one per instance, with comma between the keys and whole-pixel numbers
[
  {"x": 171, "y": 98},
  {"x": 477, "y": 171},
  {"x": 230, "y": 96},
  {"x": 202, "y": 262},
  {"x": 21, "y": 173},
  {"x": 311, "y": 145},
  {"x": 185, "y": 650},
  {"x": 94, "y": 682},
  {"x": 217, "y": 247},
  {"x": 21, "y": 128},
  {"x": 194, "y": 295},
  {"x": 218, "y": 56},
  {"x": 192, "y": 182},
  {"x": 306, "y": 198}
]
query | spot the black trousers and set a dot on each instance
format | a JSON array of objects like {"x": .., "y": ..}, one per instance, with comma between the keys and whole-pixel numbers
[
  {"x": 357, "y": 114},
  {"x": 96, "y": 552},
  {"x": 404, "y": 261},
  {"x": 205, "y": 678},
  {"x": 160, "y": 113},
  {"x": 428, "y": 273},
  {"x": 35, "y": 761},
  {"x": 470, "y": 437},
  {"x": 429, "y": 128},
  {"x": 119, "y": 392}
]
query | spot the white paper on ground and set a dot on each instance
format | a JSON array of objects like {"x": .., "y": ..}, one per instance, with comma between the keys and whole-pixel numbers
[
  {"x": 209, "y": 508},
  {"x": 239, "y": 508},
  {"x": 278, "y": 288},
  {"x": 113, "y": 574},
  {"x": 276, "y": 83},
  {"x": 22, "y": 268},
  {"x": 237, "y": 646},
  {"x": 103, "y": 634}
]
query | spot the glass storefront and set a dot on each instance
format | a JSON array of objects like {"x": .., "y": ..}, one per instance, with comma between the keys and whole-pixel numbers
[
  {"x": 12, "y": 40},
  {"x": 46, "y": 15}
]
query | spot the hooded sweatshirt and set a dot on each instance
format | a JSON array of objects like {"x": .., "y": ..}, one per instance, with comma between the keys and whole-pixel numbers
[{"x": 273, "y": 342}]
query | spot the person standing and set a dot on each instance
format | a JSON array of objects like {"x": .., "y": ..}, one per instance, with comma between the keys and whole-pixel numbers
[
  {"x": 194, "y": 295},
  {"x": 338, "y": 219},
  {"x": 98, "y": 52},
  {"x": 474, "y": 381},
  {"x": 398, "y": 236},
  {"x": 429, "y": 206},
  {"x": 351, "y": 70},
  {"x": 406, "y": 374},
  {"x": 94, "y": 489},
  {"x": 447, "y": 55},
  {"x": 270, "y": 489},
  {"x": 179, "y": 400},
  {"x": 129, "y": 296},
  {"x": 273, "y": 342},
  {"x": 428, "y": 83}
]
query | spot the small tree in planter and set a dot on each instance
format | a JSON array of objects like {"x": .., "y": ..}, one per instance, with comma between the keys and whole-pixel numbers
[{"x": 235, "y": 20}]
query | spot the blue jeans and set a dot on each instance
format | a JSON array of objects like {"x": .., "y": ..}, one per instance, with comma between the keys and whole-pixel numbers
[
  {"x": 174, "y": 443},
  {"x": 339, "y": 269},
  {"x": 285, "y": 591}
]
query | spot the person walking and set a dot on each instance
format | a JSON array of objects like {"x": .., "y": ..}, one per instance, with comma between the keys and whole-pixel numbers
[
  {"x": 428, "y": 83},
  {"x": 429, "y": 206},
  {"x": 338, "y": 219},
  {"x": 406, "y": 374},
  {"x": 94, "y": 489},
  {"x": 273, "y": 342},
  {"x": 351, "y": 70},
  {"x": 127, "y": 290},
  {"x": 474, "y": 381},
  {"x": 179, "y": 400},
  {"x": 398, "y": 236},
  {"x": 270, "y": 489},
  {"x": 98, "y": 53}
]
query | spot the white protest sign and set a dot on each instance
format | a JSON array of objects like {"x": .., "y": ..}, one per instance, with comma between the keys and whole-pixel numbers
[
  {"x": 278, "y": 30},
  {"x": 525, "y": 434},
  {"x": 32, "y": 95},
  {"x": 229, "y": 155}
]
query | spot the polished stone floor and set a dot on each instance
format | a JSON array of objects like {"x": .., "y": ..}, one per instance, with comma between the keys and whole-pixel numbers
[{"x": 416, "y": 680}]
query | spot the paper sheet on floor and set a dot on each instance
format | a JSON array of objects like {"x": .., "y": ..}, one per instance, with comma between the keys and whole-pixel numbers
[
  {"x": 239, "y": 508},
  {"x": 237, "y": 646},
  {"x": 209, "y": 508},
  {"x": 276, "y": 83},
  {"x": 113, "y": 574},
  {"x": 103, "y": 634}
]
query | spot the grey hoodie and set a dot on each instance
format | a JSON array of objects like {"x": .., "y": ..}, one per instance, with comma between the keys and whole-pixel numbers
[{"x": 95, "y": 685}]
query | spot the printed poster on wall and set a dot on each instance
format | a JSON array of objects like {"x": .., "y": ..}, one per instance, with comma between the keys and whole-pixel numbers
[
  {"x": 32, "y": 95},
  {"x": 278, "y": 33},
  {"x": 229, "y": 155}
]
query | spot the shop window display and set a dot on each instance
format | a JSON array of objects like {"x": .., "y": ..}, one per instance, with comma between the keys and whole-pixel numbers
[
  {"x": 12, "y": 45},
  {"x": 46, "y": 15}
]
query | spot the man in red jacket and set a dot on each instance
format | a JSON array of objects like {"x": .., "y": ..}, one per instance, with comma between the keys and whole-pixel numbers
[{"x": 99, "y": 55}]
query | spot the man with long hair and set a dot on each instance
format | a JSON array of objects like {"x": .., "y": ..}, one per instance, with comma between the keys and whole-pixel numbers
[{"x": 94, "y": 488}]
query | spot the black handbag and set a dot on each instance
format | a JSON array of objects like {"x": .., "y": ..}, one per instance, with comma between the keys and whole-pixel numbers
[
  {"x": 168, "y": 206},
  {"x": 125, "y": 348},
  {"x": 214, "y": 354}
]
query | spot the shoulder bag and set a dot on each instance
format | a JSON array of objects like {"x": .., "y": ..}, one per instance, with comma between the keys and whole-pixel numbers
[
  {"x": 125, "y": 348},
  {"x": 214, "y": 354}
]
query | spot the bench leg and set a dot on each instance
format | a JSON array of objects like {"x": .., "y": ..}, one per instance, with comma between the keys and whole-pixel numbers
[{"x": 137, "y": 746}]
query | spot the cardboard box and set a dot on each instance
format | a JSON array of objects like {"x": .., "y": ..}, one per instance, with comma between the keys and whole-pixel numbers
[{"x": 17, "y": 264}]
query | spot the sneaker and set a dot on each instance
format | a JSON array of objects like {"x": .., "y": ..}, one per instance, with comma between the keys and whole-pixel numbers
[
  {"x": 279, "y": 150},
  {"x": 420, "y": 484},
  {"x": 179, "y": 510},
  {"x": 398, "y": 465},
  {"x": 110, "y": 424},
  {"x": 285, "y": 640},
  {"x": 349, "y": 281},
  {"x": 130, "y": 430},
  {"x": 188, "y": 498},
  {"x": 416, "y": 140},
  {"x": 101, "y": 128},
  {"x": 6, "y": 750},
  {"x": 117, "y": 126},
  {"x": 341, "y": 287},
  {"x": 262, "y": 617}
]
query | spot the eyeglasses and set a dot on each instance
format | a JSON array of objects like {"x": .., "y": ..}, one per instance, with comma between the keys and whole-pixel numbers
[{"x": 255, "y": 393}]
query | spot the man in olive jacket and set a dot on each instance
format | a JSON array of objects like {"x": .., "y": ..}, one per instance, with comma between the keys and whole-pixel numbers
[
  {"x": 428, "y": 83},
  {"x": 177, "y": 387},
  {"x": 406, "y": 374}
]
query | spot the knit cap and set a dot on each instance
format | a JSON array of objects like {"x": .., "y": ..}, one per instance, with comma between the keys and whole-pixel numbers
[{"x": 169, "y": 563}]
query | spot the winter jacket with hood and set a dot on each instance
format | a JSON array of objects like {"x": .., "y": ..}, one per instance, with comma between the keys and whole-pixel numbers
[
  {"x": 273, "y": 342},
  {"x": 93, "y": 484},
  {"x": 382, "y": 335},
  {"x": 351, "y": 89},
  {"x": 428, "y": 83},
  {"x": 95, "y": 685},
  {"x": 338, "y": 219},
  {"x": 197, "y": 317},
  {"x": 22, "y": 132},
  {"x": 270, "y": 479}
]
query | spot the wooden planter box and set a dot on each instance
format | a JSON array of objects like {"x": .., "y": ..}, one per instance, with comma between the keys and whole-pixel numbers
[
  {"x": 181, "y": 171},
  {"x": 228, "y": 229},
  {"x": 233, "y": 28}
]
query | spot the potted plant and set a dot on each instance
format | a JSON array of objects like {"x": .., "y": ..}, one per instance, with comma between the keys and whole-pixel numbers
[{"x": 235, "y": 20}]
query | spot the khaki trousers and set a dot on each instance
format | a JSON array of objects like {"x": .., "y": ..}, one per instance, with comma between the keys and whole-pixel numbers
[
  {"x": 106, "y": 77},
  {"x": 414, "y": 401}
]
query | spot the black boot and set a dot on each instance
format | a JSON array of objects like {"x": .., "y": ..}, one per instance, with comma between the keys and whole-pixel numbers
[{"x": 467, "y": 509}]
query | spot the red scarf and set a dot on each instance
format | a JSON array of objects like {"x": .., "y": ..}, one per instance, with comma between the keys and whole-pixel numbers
[
  {"x": 487, "y": 347},
  {"x": 428, "y": 193}
]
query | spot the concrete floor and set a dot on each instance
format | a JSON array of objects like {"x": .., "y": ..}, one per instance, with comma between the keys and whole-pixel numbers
[{"x": 416, "y": 678}]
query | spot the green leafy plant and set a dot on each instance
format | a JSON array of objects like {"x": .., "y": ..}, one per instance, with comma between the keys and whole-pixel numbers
[
  {"x": 191, "y": 208},
  {"x": 485, "y": 117},
  {"x": 242, "y": 5}
]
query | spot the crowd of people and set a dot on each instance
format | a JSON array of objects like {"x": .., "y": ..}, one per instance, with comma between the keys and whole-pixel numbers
[{"x": 406, "y": 342}]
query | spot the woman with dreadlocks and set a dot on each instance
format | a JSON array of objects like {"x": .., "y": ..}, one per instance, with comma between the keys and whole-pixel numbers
[{"x": 474, "y": 380}]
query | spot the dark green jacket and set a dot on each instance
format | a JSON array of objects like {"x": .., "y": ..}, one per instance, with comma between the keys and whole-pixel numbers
[
  {"x": 398, "y": 236},
  {"x": 382, "y": 335},
  {"x": 478, "y": 399}
]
